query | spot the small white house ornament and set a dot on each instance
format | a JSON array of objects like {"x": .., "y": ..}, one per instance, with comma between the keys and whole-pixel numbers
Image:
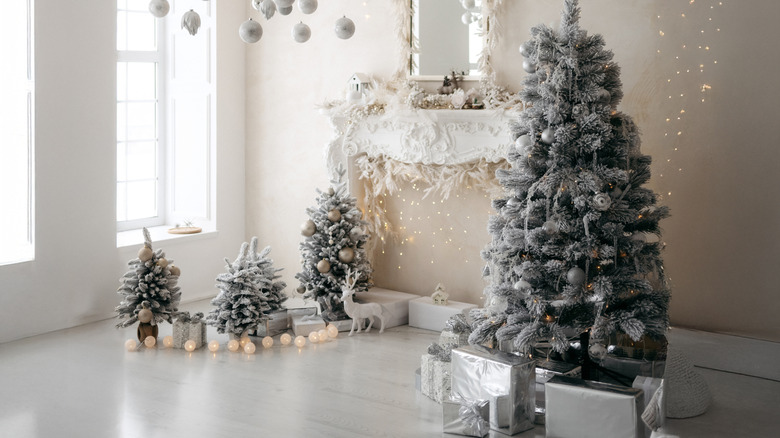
[
  {"x": 357, "y": 86},
  {"x": 439, "y": 296},
  {"x": 190, "y": 21}
]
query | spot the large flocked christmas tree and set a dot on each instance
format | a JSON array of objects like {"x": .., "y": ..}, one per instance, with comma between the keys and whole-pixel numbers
[
  {"x": 334, "y": 241},
  {"x": 150, "y": 283},
  {"x": 249, "y": 290},
  {"x": 574, "y": 247}
]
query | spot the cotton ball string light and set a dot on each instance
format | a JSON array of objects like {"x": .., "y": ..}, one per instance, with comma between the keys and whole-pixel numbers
[
  {"x": 285, "y": 339},
  {"x": 333, "y": 331},
  {"x": 130, "y": 345},
  {"x": 307, "y": 6},
  {"x": 168, "y": 341},
  {"x": 300, "y": 341},
  {"x": 243, "y": 341},
  {"x": 250, "y": 31},
  {"x": 301, "y": 32},
  {"x": 575, "y": 276},
  {"x": 189, "y": 346},
  {"x": 548, "y": 135},
  {"x": 314, "y": 337},
  {"x": 308, "y": 228},
  {"x": 268, "y": 342},
  {"x": 233, "y": 345},
  {"x": 345, "y": 28},
  {"x": 213, "y": 346},
  {"x": 323, "y": 335},
  {"x": 150, "y": 341},
  {"x": 159, "y": 8},
  {"x": 249, "y": 348},
  {"x": 190, "y": 21}
]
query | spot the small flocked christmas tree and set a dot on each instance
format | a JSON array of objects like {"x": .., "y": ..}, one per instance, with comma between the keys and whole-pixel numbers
[
  {"x": 150, "y": 283},
  {"x": 248, "y": 291},
  {"x": 574, "y": 247},
  {"x": 334, "y": 241}
]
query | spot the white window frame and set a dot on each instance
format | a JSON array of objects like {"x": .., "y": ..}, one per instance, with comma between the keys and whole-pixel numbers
[
  {"x": 12, "y": 253},
  {"x": 159, "y": 58}
]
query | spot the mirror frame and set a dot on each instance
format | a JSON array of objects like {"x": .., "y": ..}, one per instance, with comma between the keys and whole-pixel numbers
[{"x": 410, "y": 45}]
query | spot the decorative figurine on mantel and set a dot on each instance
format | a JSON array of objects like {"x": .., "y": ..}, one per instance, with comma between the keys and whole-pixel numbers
[
  {"x": 150, "y": 291},
  {"x": 439, "y": 296}
]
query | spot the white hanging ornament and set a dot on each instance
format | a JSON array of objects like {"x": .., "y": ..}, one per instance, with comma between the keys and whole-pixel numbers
[
  {"x": 307, "y": 6},
  {"x": 250, "y": 31},
  {"x": 468, "y": 4},
  {"x": 346, "y": 255},
  {"x": 529, "y": 66},
  {"x": 524, "y": 49},
  {"x": 266, "y": 7},
  {"x": 323, "y": 266},
  {"x": 548, "y": 135},
  {"x": 308, "y": 228},
  {"x": 334, "y": 215},
  {"x": 159, "y": 8},
  {"x": 190, "y": 21},
  {"x": 284, "y": 3},
  {"x": 523, "y": 142},
  {"x": 301, "y": 32},
  {"x": 468, "y": 18},
  {"x": 575, "y": 276},
  {"x": 345, "y": 28},
  {"x": 602, "y": 201},
  {"x": 284, "y": 11}
]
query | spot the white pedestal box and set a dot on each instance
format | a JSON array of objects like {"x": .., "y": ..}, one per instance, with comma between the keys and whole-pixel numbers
[
  {"x": 395, "y": 305},
  {"x": 426, "y": 315}
]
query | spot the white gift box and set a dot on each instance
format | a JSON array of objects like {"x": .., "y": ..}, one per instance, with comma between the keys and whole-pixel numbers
[
  {"x": 649, "y": 386},
  {"x": 424, "y": 314},
  {"x": 395, "y": 305},
  {"x": 303, "y": 325},
  {"x": 435, "y": 378},
  {"x": 579, "y": 408},
  {"x": 344, "y": 325}
]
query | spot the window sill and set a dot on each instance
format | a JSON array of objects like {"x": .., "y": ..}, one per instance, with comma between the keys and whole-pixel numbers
[{"x": 161, "y": 234}]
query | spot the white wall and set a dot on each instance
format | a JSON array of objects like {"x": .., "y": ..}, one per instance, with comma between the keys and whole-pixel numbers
[
  {"x": 722, "y": 240},
  {"x": 74, "y": 278}
]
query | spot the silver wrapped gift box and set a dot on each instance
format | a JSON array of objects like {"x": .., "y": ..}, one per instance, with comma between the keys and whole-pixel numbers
[
  {"x": 435, "y": 378},
  {"x": 275, "y": 323},
  {"x": 579, "y": 408},
  {"x": 506, "y": 380},
  {"x": 450, "y": 337},
  {"x": 465, "y": 417},
  {"x": 187, "y": 328}
]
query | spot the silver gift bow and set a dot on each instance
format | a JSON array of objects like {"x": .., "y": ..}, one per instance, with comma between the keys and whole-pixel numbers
[
  {"x": 457, "y": 324},
  {"x": 469, "y": 413},
  {"x": 310, "y": 318}
]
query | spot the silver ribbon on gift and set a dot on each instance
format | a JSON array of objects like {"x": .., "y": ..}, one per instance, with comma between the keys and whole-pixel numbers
[
  {"x": 457, "y": 324},
  {"x": 441, "y": 352},
  {"x": 310, "y": 318},
  {"x": 469, "y": 412},
  {"x": 185, "y": 317}
]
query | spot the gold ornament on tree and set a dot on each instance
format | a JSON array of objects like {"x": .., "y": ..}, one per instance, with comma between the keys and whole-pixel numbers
[
  {"x": 346, "y": 255},
  {"x": 323, "y": 266},
  {"x": 334, "y": 215},
  {"x": 308, "y": 228}
]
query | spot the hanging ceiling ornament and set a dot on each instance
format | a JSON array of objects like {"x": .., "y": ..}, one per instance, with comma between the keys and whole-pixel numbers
[
  {"x": 266, "y": 7},
  {"x": 284, "y": 3},
  {"x": 301, "y": 32},
  {"x": 159, "y": 8},
  {"x": 190, "y": 21},
  {"x": 250, "y": 31},
  {"x": 284, "y": 11},
  {"x": 307, "y": 6},
  {"x": 345, "y": 28}
]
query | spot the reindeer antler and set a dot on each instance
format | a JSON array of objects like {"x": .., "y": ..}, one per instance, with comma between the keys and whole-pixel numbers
[{"x": 349, "y": 276}]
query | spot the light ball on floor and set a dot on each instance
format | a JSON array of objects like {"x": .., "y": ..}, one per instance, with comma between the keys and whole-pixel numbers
[
  {"x": 168, "y": 341},
  {"x": 243, "y": 341},
  {"x": 249, "y": 348},
  {"x": 333, "y": 331},
  {"x": 300, "y": 341},
  {"x": 268, "y": 342},
  {"x": 323, "y": 335},
  {"x": 130, "y": 345},
  {"x": 314, "y": 337},
  {"x": 213, "y": 346},
  {"x": 285, "y": 339},
  {"x": 150, "y": 341},
  {"x": 189, "y": 346},
  {"x": 233, "y": 345}
]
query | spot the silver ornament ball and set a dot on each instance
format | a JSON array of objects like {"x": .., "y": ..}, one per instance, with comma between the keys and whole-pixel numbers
[
  {"x": 159, "y": 8},
  {"x": 345, "y": 28},
  {"x": 523, "y": 142},
  {"x": 284, "y": 11},
  {"x": 284, "y": 3},
  {"x": 346, "y": 255},
  {"x": 334, "y": 215},
  {"x": 550, "y": 227},
  {"x": 575, "y": 276},
  {"x": 308, "y": 228},
  {"x": 525, "y": 49},
  {"x": 529, "y": 66},
  {"x": 323, "y": 266},
  {"x": 601, "y": 201},
  {"x": 307, "y": 6},
  {"x": 548, "y": 135},
  {"x": 597, "y": 351},
  {"x": 301, "y": 32},
  {"x": 250, "y": 31}
]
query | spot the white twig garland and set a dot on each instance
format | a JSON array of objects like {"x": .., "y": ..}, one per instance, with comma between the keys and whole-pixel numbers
[{"x": 381, "y": 177}]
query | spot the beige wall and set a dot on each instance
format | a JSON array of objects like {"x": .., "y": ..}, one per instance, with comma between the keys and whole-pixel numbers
[{"x": 723, "y": 242}]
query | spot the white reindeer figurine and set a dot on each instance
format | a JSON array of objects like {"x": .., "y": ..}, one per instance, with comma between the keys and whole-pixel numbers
[{"x": 356, "y": 311}]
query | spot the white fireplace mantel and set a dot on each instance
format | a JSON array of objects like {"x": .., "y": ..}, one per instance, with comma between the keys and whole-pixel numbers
[{"x": 421, "y": 136}]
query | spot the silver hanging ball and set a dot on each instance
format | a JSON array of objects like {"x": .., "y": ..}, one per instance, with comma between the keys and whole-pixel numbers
[
  {"x": 345, "y": 28},
  {"x": 250, "y": 31},
  {"x": 307, "y": 6},
  {"x": 301, "y": 32},
  {"x": 284, "y": 11},
  {"x": 529, "y": 66},
  {"x": 159, "y": 8},
  {"x": 548, "y": 135}
]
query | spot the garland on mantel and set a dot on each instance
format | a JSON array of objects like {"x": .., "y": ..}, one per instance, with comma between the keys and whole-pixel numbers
[{"x": 381, "y": 177}]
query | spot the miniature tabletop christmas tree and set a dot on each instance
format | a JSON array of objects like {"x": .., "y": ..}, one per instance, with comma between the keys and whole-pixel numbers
[
  {"x": 334, "y": 242},
  {"x": 574, "y": 247},
  {"x": 249, "y": 290},
  {"x": 149, "y": 289}
]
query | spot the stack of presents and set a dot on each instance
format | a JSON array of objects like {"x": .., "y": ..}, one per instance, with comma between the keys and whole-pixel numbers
[{"x": 483, "y": 389}]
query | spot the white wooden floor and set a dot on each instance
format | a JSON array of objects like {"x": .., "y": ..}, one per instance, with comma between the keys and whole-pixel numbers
[{"x": 81, "y": 382}]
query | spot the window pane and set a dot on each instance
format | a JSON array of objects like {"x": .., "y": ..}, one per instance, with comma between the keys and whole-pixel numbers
[
  {"x": 121, "y": 201},
  {"x": 141, "y": 31},
  {"x": 121, "y": 81},
  {"x": 141, "y": 160},
  {"x": 137, "y": 5},
  {"x": 121, "y": 161},
  {"x": 141, "y": 117},
  {"x": 141, "y": 199},
  {"x": 121, "y": 121},
  {"x": 121, "y": 30},
  {"x": 141, "y": 81}
]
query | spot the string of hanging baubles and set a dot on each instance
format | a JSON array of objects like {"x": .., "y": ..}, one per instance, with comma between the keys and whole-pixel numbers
[{"x": 251, "y": 31}]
